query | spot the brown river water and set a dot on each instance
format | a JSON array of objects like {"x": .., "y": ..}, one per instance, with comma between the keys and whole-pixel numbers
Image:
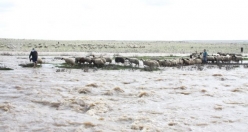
[{"x": 171, "y": 99}]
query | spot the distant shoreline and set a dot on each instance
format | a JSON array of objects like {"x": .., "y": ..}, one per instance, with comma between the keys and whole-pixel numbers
[
  {"x": 16, "y": 53},
  {"x": 125, "y": 46}
]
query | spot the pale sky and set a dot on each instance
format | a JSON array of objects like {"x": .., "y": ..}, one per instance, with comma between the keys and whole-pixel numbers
[{"x": 124, "y": 19}]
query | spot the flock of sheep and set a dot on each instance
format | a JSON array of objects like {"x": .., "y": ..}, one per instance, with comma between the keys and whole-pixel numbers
[
  {"x": 194, "y": 58},
  {"x": 220, "y": 57},
  {"x": 102, "y": 61}
]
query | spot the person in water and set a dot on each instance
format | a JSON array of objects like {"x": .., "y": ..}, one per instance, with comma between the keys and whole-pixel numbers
[
  {"x": 34, "y": 55},
  {"x": 205, "y": 54}
]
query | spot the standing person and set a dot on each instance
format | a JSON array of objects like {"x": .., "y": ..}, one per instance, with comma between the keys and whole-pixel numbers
[
  {"x": 34, "y": 55},
  {"x": 205, "y": 54}
]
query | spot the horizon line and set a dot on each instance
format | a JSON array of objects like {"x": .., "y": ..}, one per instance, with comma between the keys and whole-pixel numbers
[{"x": 124, "y": 39}]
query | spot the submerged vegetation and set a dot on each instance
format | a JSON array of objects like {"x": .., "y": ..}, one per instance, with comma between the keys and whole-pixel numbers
[
  {"x": 29, "y": 65},
  {"x": 106, "y": 67},
  {"x": 5, "y": 68}
]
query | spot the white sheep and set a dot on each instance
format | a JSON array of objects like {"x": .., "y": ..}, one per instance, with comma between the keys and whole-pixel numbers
[
  {"x": 174, "y": 62},
  {"x": 226, "y": 59},
  {"x": 103, "y": 59},
  {"x": 162, "y": 62},
  {"x": 99, "y": 62},
  {"x": 197, "y": 61},
  {"x": 211, "y": 58},
  {"x": 150, "y": 63},
  {"x": 218, "y": 58},
  {"x": 156, "y": 63},
  {"x": 69, "y": 61},
  {"x": 167, "y": 63},
  {"x": 188, "y": 61},
  {"x": 88, "y": 60},
  {"x": 108, "y": 59}
]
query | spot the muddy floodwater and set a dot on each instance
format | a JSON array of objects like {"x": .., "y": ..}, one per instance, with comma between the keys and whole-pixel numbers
[{"x": 171, "y": 99}]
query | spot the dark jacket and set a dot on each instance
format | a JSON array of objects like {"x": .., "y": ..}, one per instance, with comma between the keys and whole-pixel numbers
[{"x": 34, "y": 55}]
